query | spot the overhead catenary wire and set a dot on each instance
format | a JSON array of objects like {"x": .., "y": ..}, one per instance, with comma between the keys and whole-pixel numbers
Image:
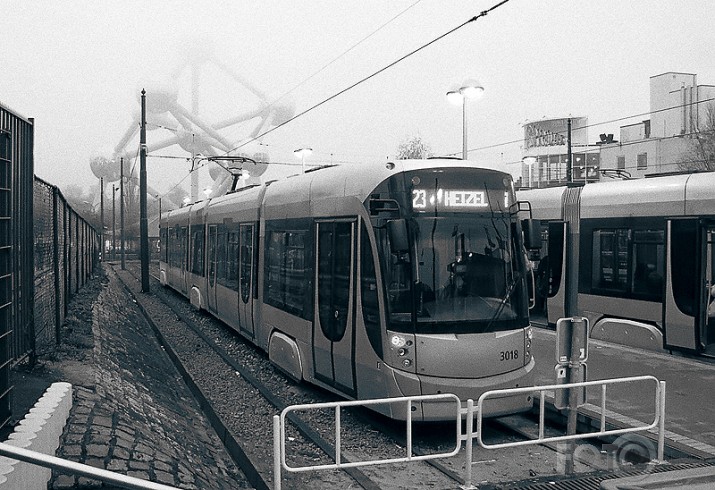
[
  {"x": 518, "y": 141},
  {"x": 341, "y": 55},
  {"x": 372, "y": 75},
  {"x": 563, "y": 133}
]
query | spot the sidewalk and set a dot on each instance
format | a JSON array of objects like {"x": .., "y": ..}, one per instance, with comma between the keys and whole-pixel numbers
[
  {"x": 132, "y": 412},
  {"x": 690, "y": 387}
]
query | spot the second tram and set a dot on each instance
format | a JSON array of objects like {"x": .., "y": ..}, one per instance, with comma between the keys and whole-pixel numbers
[{"x": 646, "y": 266}]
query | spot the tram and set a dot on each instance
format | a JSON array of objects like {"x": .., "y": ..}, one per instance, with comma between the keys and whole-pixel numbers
[
  {"x": 372, "y": 281},
  {"x": 646, "y": 260}
]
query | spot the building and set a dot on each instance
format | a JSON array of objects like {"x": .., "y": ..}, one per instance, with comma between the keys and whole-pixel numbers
[
  {"x": 546, "y": 152},
  {"x": 664, "y": 143}
]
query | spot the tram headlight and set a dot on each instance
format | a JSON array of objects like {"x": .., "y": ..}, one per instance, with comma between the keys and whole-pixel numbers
[
  {"x": 398, "y": 341},
  {"x": 528, "y": 336},
  {"x": 407, "y": 362}
]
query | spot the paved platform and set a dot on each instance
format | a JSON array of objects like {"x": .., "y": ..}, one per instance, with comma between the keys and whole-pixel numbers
[
  {"x": 132, "y": 412},
  {"x": 690, "y": 387}
]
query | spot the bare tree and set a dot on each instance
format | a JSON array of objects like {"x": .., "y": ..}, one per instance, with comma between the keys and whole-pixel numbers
[
  {"x": 413, "y": 147},
  {"x": 701, "y": 156}
]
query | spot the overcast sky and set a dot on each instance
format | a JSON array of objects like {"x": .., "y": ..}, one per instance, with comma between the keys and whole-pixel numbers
[{"x": 77, "y": 68}]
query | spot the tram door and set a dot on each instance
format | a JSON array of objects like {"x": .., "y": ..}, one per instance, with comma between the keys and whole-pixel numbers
[
  {"x": 707, "y": 329},
  {"x": 333, "y": 323},
  {"x": 211, "y": 276},
  {"x": 246, "y": 273},
  {"x": 688, "y": 315}
]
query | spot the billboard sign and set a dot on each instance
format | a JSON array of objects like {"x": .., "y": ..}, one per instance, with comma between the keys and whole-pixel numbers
[{"x": 554, "y": 132}]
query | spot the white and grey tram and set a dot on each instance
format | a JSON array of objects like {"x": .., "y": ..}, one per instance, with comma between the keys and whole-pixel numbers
[
  {"x": 372, "y": 281},
  {"x": 646, "y": 264}
]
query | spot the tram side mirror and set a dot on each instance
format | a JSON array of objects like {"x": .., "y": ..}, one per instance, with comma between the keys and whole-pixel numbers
[
  {"x": 397, "y": 231},
  {"x": 532, "y": 233}
]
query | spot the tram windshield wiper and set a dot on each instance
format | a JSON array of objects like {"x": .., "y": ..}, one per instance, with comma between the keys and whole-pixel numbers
[{"x": 505, "y": 299}]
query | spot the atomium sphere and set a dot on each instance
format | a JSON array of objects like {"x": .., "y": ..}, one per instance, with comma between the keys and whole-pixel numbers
[{"x": 283, "y": 111}]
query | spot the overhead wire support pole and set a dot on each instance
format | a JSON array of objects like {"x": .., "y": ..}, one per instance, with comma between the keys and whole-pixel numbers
[
  {"x": 569, "y": 155},
  {"x": 101, "y": 213},
  {"x": 143, "y": 225},
  {"x": 121, "y": 210}
]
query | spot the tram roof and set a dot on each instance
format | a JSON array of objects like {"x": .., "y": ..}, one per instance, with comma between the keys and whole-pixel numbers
[{"x": 672, "y": 195}]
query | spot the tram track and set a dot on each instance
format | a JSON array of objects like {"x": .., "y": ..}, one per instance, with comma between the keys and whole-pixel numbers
[
  {"x": 364, "y": 434},
  {"x": 303, "y": 437}
]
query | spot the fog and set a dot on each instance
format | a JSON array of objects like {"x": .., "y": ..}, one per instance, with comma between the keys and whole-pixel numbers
[{"x": 221, "y": 76}]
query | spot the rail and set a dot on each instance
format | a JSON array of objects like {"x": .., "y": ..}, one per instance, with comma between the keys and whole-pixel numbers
[
  {"x": 279, "y": 436},
  {"x": 65, "y": 466}
]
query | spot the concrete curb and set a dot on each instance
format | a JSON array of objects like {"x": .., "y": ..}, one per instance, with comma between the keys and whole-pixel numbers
[{"x": 39, "y": 431}]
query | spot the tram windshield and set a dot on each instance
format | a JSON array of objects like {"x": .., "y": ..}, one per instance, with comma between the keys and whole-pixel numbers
[{"x": 464, "y": 274}]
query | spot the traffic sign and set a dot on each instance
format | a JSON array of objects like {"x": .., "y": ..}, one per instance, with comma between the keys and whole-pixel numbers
[{"x": 564, "y": 338}]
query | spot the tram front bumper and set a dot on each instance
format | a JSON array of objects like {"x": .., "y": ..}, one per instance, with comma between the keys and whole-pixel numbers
[{"x": 467, "y": 388}]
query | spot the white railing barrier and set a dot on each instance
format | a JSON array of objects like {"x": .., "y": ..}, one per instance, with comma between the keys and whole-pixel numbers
[
  {"x": 471, "y": 411},
  {"x": 65, "y": 466},
  {"x": 279, "y": 435}
]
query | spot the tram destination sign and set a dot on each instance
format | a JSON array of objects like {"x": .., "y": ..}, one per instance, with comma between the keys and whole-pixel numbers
[{"x": 448, "y": 199}]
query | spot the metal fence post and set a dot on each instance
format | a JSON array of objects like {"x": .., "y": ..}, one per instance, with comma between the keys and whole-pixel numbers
[
  {"x": 661, "y": 420},
  {"x": 469, "y": 441},
  {"x": 276, "y": 452}
]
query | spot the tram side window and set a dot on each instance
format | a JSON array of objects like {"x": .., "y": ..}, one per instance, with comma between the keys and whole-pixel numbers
[
  {"x": 286, "y": 282},
  {"x": 246, "y": 261},
  {"x": 232, "y": 260},
  {"x": 648, "y": 263},
  {"x": 164, "y": 244},
  {"x": 221, "y": 255},
  {"x": 183, "y": 237},
  {"x": 213, "y": 235},
  {"x": 368, "y": 293},
  {"x": 197, "y": 250},
  {"x": 173, "y": 249},
  {"x": 628, "y": 262}
]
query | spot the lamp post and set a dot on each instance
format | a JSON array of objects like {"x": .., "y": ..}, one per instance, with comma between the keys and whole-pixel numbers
[
  {"x": 470, "y": 89},
  {"x": 114, "y": 227},
  {"x": 529, "y": 161},
  {"x": 302, "y": 153}
]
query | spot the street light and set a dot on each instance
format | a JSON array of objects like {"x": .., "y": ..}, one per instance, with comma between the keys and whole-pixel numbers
[
  {"x": 114, "y": 227},
  {"x": 530, "y": 161},
  {"x": 470, "y": 89},
  {"x": 302, "y": 153}
]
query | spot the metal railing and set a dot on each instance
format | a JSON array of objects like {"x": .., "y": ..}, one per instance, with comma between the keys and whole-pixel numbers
[
  {"x": 65, "y": 466},
  {"x": 279, "y": 435},
  {"x": 471, "y": 412}
]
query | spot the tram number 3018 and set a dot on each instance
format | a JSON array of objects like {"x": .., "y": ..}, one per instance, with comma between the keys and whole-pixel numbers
[{"x": 508, "y": 355}]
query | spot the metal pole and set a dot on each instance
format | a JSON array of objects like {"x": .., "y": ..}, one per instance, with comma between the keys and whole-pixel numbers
[
  {"x": 574, "y": 376},
  {"x": 468, "y": 444},
  {"x": 276, "y": 452},
  {"x": 569, "y": 163},
  {"x": 464, "y": 127},
  {"x": 661, "y": 421},
  {"x": 114, "y": 222},
  {"x": 101, "y": 211},
  {"x": 121, "y": 210},
  {"x": 143, "y": 224},
  {"x": 571, "y": 310}
]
